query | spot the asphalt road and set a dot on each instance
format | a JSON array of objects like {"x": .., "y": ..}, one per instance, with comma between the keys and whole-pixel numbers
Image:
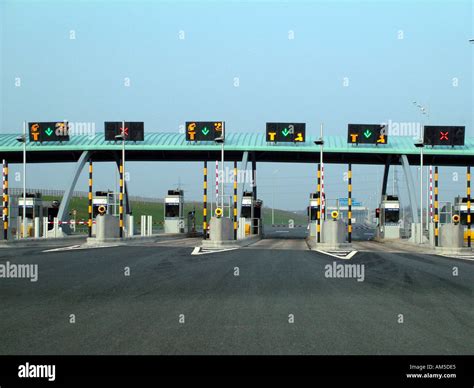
[{"x": 228, "y": 314}]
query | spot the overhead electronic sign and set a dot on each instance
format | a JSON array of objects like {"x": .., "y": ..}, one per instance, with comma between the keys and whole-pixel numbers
[
  {"x": 367, "y": 134},
  {"x": 48, "y": 131},
  {"x": 286, "y": 132},
  {"x": 203, "y": 130},
  {"x": 133, "y": 130},
  {"x": 436, "y": 135}
]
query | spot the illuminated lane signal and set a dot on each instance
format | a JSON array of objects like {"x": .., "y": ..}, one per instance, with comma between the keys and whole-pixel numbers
[
  {"x": 436, "y": 135},
  {"x": 286, "y": 132},
  {"x": 367, "y": 134},
  {"x": 48, "y": 131},
  {"x": 203, "y": 130}
]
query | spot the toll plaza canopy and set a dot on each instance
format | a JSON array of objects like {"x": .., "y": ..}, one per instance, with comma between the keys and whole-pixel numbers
[{"x": 174, "y": 147}]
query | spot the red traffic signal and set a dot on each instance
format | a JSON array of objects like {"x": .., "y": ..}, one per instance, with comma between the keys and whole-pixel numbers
[{"x": 377, "y": 213}]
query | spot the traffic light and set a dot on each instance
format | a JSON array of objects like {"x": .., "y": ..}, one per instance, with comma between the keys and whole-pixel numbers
[{"x": 377, "y": 213}]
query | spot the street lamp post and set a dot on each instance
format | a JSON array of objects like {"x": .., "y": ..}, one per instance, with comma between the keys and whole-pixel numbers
[
  {"x": 420, "y": 145},
  {"x": 22, "y": 139}
]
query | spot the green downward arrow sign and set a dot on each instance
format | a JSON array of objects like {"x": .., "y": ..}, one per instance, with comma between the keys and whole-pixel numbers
[
  {"x": 205, "y": 131},
  {"x": 285, "y": 132},
  {"x": 367, "y": 133},
  {"x": 49, "y": 131}
]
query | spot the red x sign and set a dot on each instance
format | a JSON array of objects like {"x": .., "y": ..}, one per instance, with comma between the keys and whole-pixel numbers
[
  {"x": 443, "y": 135},
  {"x": 124, "y": 132}
]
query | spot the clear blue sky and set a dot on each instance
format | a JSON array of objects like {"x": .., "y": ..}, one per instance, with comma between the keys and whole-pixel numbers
[{"x": 173, "y": 80}]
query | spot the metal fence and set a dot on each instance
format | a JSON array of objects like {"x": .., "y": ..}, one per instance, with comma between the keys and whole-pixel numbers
[{"x": 78, "y": 194}]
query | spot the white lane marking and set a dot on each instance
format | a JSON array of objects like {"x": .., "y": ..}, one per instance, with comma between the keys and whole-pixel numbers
[
  {"x": 348, "y": 256},
  {"x": 282, "y": 231},
  {"x": 63, "y": 248},
  {"x": 77, "y": 247},
  {"x": 205, "y": 251}
]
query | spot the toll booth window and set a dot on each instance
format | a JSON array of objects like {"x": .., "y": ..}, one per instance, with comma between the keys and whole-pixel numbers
[
  {"x": 314, "y": 213},
  {"x": 392, "y": 216},
  {"x": 246, "y": 212},
  {"x": 29, "y": 212},
  {"x": 172, "y": 210}
]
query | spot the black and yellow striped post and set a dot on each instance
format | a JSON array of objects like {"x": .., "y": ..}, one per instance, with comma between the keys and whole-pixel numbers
[
  {"x": 89, "y": 222},
  {"x": 204, "y": 203},
  {"x": 5, "y": 199},
  {"x": 235, "y": 201},
  {"x": 121, "y": 199},
  {"x": 436, "y": 208},
  {"x": 468, "y": 192},
  {"x": 318, "y": 213},
  {"x": 349, "y": 203}
]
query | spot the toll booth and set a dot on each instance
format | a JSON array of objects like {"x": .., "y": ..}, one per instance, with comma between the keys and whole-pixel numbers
[
  {"x": 50, "y": 211},
  {"x": 313, "y": 213},
  {"x": 174, "y": 221},
  {"x": 33, "y": 204},
  {"x": 389, "y": 224},
  {"x": 251, "y": 207},
  {"x": 460, "y": 208},
  {"x": 109, "y": 200}
]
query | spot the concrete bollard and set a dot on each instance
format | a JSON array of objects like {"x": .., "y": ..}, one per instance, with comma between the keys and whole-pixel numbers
[
  {"x": 45, "y": 227},
  {"x": 131, "y": 230},
  {"x": 143, "y": 225},
  {"x": 150, "y": 225},
  {"x": 37, "y": 227},
  {"x": 55, "y": 226}
]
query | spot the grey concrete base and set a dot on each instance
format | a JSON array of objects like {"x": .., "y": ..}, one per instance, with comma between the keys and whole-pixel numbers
[
  {"x": 32, "y": 242},
  {"x": 451, "y": 236},
  {"x": 314, "y": 246},
  {"x": 210, "y": 244},
  {"x": 221, "y": 229},
  {"x": 107, "y": 227},
  {"x": 388, "y": 232}
]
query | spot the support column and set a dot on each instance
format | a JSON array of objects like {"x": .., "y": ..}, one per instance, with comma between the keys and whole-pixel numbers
[
  {"x": 254, "y": 190},
  {"x": 385, "y": 179},
  {"x": 349, "y": 203},
  {"x": 410, "y": 187},
  {"x": 235, "y": 201},
  {"x": 128, "y": 207},
  {"x": 436, "y": 207},
  {"x": 468, "y": 192},
  {"x": 204, "y": 203},
  {"x": 5, "y": 200},
  {"x": 89, "y": 222},
  {"x": 121, "y": 199},
  {"x": 63, "y": 212},
  {"x": 243, "y": 167}
]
